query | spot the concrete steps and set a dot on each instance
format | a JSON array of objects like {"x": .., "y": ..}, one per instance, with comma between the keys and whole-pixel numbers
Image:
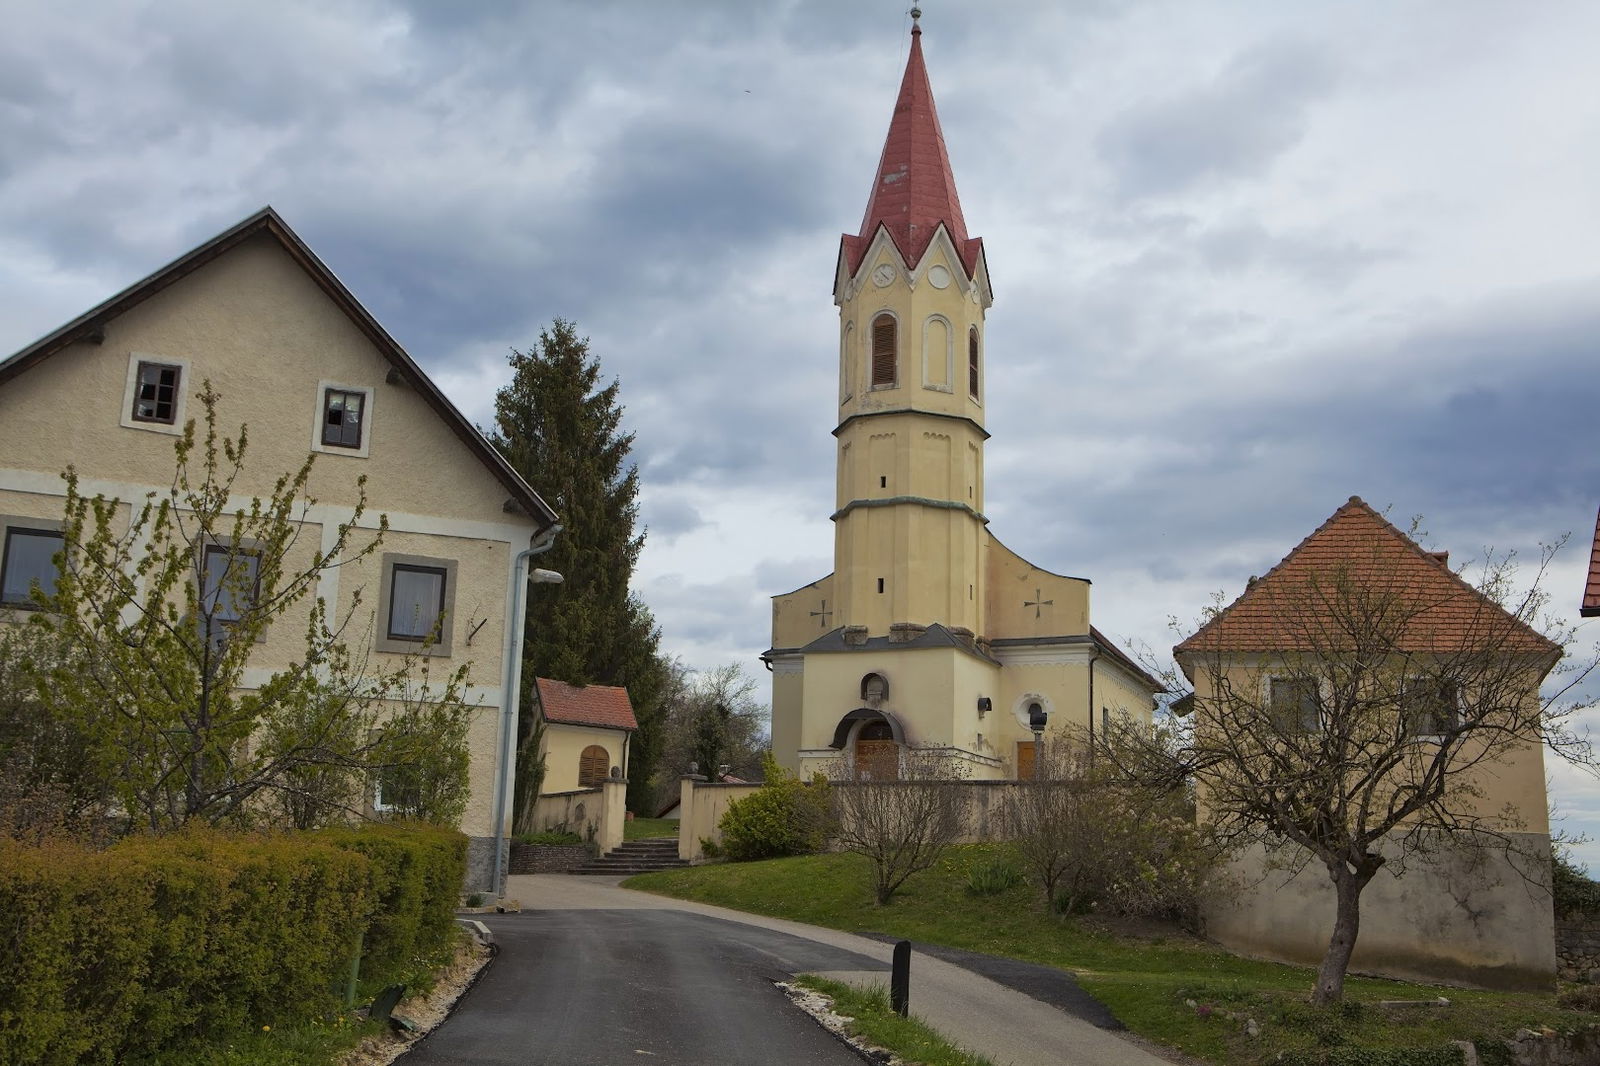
[{"x": 635, "y": 857}]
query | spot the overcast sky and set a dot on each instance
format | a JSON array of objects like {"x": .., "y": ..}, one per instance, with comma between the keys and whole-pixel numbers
[{"x": 1248, "y": 259}]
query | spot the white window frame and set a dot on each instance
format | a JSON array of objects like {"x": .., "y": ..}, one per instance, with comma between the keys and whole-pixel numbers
[
  {"x": 319, "y": 409},
  {"x": 130, "y": 391}
]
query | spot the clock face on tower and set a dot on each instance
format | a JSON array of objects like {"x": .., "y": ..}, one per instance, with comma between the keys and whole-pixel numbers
[{"x": 883, "y": 275}]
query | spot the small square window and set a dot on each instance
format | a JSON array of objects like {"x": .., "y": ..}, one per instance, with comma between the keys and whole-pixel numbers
[
  {"x": 155, "y": 397},
  {"x": 342, "y": 417},
  {"x": 28, "y": 562},
  {"x": 1429, "y": 708},
  {"x": 1296, "y": 705},
  {"x": 416, "y": 602},
  {"x": 230, "y": 582}
]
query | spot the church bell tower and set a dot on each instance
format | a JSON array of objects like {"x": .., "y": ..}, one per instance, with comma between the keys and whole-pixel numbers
[
  {"x": 929, "y": 632},
  {"x": 912, "y": 289}
]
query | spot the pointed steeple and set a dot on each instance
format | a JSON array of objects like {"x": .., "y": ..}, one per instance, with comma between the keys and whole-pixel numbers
[{"x": 914, "y": 190}]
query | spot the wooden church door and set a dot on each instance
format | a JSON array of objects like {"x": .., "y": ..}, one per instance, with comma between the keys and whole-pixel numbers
[{"x": 877, "y": 755}]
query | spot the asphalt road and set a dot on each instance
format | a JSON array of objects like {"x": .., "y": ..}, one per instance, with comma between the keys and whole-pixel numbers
[{"x": 656, "y": 987}]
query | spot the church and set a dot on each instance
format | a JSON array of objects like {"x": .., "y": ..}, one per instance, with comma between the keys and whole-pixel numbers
[{"x": 930, "y": 632}]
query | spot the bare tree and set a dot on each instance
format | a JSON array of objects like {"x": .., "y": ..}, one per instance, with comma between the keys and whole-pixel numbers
[
  {"x": 1093, "y": 837},
  {"x": 714, "y": 719},
  {"x": 1360, "y": 699},
  {"x": 902, "y": 825}
]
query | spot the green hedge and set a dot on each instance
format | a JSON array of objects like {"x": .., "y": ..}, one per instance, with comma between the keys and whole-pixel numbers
[{"x": 166, "y": 942}]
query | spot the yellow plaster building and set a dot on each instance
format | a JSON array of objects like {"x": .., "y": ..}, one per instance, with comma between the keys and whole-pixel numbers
[
  {"x": 293, "y": 354},
  {"x": 929, "y": 631},
  {"x": 1289, "y": 686}
]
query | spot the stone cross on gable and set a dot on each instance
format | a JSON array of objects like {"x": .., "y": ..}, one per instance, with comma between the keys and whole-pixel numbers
[
  {"x": 824, "y": 614},
  {"x": 1038, "y": 603}
]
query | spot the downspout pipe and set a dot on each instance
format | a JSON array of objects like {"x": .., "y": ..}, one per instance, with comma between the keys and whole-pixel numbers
[
  {"x": 511, "y": 696},
  {"x": 1092, "y": 661}
]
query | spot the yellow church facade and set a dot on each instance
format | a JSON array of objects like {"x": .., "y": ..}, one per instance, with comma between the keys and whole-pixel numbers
[{"x": 929, "y": 632}]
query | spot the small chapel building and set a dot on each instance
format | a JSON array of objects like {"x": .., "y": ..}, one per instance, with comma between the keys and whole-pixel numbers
[{"x": 929, "y": 632}]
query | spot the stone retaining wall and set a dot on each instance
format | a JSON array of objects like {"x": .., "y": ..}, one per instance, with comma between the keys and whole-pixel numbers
[
  {"x": 547, "y": 858},
  {"x": 1578, "y": 949}
]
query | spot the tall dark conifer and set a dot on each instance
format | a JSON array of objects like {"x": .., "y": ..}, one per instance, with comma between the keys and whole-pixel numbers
[{"x": 562, "y": 431}]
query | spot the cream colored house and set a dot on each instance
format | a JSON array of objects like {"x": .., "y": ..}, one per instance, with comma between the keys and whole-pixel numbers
[
  {"x": 1361, "y": 682},
  {"x": 586, "y": 733},
  {"x": 929, "y": 631},
  {"x": 295, "y": 356}
]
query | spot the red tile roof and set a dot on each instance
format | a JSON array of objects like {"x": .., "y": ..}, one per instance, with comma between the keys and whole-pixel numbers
[
  {"x": 914, "y": 189},
  {"x": 600, "y": 706},
  {"x": 1280, "y": 610},
  {"x": 1591, "y": 591}
]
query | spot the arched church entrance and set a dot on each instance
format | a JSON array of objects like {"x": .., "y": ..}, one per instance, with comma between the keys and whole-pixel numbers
[{"x": 872, "y": 740}]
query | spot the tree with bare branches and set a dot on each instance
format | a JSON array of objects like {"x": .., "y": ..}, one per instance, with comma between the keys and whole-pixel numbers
[
  {"x": 902, "y": 822},
  {"x": 1363, "y": 702},
  {"x": 1092, "y": 837}
]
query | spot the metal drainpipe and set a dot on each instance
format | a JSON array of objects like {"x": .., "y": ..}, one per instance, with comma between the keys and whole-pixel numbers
[
  {"x": 512, "y": 695},
  {"x": 1092, "y": 661}
]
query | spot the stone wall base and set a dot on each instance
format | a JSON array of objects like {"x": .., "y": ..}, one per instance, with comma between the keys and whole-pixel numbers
[
  {"x": 480, "y": 865},
  {"x": 547, "y": 858}
]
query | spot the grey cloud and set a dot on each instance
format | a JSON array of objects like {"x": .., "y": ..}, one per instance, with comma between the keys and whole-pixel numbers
[
  {"x": 1248, "y": 115},
  {"x": 667, "y": 518}
]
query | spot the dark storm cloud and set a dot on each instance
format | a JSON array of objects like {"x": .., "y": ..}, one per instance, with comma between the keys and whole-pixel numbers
[
  {"x": 1467, "y": 421},
  {"x": 1235, "y": 126}
]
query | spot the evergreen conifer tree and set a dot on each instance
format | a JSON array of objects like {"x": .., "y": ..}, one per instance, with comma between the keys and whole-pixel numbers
[{"x": 562, "y": 431}]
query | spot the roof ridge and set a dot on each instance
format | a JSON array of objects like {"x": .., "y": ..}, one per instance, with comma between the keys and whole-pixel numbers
[
  {"x": 1355, "y": 505},
  {"x": 267, "y": 220}
]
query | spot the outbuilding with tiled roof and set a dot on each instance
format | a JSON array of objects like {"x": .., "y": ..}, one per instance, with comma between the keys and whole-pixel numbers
[{"x": 587, "y": 729}]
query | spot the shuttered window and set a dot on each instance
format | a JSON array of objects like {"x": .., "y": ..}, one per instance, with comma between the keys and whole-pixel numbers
[
  {"x": 883, "y": 350},
  {"x": 972, "y": 363},
  {"x": 594, "y": 766}
]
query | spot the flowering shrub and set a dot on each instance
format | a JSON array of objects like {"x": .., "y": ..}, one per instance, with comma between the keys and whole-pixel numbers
[{"x": 786, "y": 817}]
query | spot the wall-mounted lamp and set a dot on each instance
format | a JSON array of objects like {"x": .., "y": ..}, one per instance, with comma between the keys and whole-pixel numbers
[
  {"x": 985, "y": 705},
  {"x": 545, "y": 577}
]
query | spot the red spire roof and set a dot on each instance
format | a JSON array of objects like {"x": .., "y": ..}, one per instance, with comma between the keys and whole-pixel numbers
[
  {"x": 914, "y": 189},
  {"x": 1591, "y": 590}
]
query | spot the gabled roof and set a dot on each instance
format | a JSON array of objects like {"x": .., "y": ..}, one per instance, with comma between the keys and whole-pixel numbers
[
  {"x": 91, "y": 323},
  {"x": 1280, "y": 610},
  {"x": 598, "y": 706},
  {"x": 1591, "y": 590},
  {"x": 914, "y": 189}
]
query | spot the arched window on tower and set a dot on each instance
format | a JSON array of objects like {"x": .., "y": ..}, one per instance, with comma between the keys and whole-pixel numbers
[
  {"x": 972, "y": 362},
  {"x": 884, "y": 351}
]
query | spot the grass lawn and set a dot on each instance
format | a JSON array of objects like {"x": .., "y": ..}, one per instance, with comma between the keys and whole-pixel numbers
[
  {"x": 644, "y": 828},
  {"x": 1144, "y": 981}
]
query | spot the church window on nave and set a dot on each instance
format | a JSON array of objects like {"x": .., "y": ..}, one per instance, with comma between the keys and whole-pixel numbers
[
  {"x": 972, "y": 362},
  {"x": 884, "y": 345}
]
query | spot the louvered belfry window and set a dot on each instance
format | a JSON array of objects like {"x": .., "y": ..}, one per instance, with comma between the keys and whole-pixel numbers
[
  {"x": 972, "y": 363},
  {"x": 883, "y": 350}
]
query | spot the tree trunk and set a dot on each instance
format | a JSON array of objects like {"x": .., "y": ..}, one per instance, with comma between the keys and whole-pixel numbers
[{"x": 1347, "y": 886}]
